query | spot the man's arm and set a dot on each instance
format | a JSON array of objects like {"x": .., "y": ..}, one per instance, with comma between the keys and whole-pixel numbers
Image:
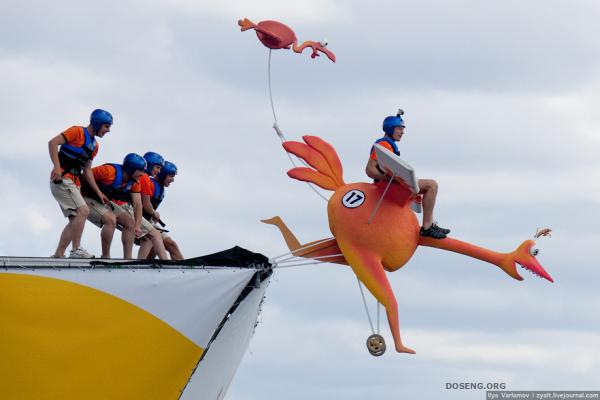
[
  {"x": 56, "y": 174},
  {"x": 136, "y": 198},
  {"x": 147, "y": 206},
  {"x": 88, "y": 175},
  {"x": 372, "y": 170}
]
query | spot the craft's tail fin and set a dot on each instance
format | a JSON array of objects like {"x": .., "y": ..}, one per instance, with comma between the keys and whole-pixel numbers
[
  {"x": 246, "y": 24},
  {"x": 326, "y": 171},
  {"x": 325, "y": 250}
]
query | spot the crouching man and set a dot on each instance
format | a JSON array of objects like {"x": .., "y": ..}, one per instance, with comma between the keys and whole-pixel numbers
[
  {"x": 153, "y": 193},
  {"x": 119, "y": 183}
]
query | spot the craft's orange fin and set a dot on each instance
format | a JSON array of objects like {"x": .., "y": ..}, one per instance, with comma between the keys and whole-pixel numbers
[
  {"x": 330, "y": 155},
  {"x": 321, "y": 156},
  {"x": 325, "y": 250},
  {"x": 290, "y": 239},
  {"x": 310, "y": 175},
  {"x": 313, "y": 157}
]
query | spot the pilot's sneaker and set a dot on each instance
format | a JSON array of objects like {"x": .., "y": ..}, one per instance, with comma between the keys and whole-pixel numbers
[
  {"x": 80, "y": 253},
  {"x": 439, "y": 228},
  {"x": 432, "y": 232}
]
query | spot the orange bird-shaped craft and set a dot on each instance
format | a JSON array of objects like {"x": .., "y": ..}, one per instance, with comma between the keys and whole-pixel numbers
[
  {"x": 276, "y": 35},
  {"x": 389, "y": 240}
]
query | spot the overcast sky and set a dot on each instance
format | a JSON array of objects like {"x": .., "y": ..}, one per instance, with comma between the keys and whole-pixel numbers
[{"x": 501, "y": 103}]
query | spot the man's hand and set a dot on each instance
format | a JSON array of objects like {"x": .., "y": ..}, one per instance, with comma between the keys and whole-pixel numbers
[
  {"x": 58, "y": 140},
  {"x": 138, "y": 232},
  {"x": 388, "y": 172},
  {"x": 156, "y": 216},
  {"x": 56, "y": 175},
  {"x": 103, "y": 198}
]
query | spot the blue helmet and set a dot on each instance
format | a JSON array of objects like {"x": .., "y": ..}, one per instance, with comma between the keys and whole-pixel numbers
[
  {"x": 153, "y": 159},
  {"x": 391, "y": 122},
  {"x": 100, "y": 117},
  {"x": 133, "y": 162},
  {"x": 168, "y": 169}
]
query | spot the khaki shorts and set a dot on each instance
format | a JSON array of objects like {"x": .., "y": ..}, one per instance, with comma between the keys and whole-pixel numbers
[
  {"x": 146, "y": 225},
  {"x": 97, "y": 210},
  {"x": 128, "y": 208},
  {"x": 68, "y": 196}
]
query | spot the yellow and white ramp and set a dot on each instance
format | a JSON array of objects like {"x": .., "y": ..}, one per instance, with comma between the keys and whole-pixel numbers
[{"x": 76, "y": 330}]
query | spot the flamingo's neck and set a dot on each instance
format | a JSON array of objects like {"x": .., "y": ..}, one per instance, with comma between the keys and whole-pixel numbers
[
  {"x": 300, "y": 49},
  {"x": 465, "y": 248}
]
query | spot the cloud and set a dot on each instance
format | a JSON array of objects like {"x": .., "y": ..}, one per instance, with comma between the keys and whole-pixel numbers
[
  {"x": 38, "y": 223},
  {"x": 500, "y": 102},
  {"x": 311, "y": 11},
  {"x": 493, "y": 187},
  {"x": 60, "y": 90},
  {"x": 466, "y": 355}
]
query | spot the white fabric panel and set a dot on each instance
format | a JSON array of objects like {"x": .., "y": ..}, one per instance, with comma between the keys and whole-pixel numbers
[
  {"x": 215, "y": 372},
  {"x": 192, "y": 301},
  {"x": 401, "y": 169}
]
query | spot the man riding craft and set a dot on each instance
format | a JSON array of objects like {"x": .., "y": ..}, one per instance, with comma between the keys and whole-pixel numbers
[{"x": 394, "y": 127}]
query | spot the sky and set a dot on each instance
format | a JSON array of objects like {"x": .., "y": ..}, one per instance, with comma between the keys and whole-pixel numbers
[{"x": 500, "y": 103}]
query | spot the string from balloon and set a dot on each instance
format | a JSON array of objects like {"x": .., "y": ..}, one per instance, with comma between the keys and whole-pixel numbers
[
  {"x": 270, "y": 91},
  {"x": 294, "y": 261},
  {"x": 280, "y": 133}
]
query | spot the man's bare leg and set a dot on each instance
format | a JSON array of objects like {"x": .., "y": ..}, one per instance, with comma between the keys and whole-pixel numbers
[
  {"x": 78, "y": 223},
  {"x": 145, "y": 248},
  {"x": 151, "y": 254},
  {"x": 429, "y": 189},
  {"x": 127, "y": 234},
  {"x": 109, "y": 224},
  {"x": 173, "y": 249},
  {"x": 72, "y": 231},
  {"x": 65, "y": 239},
  {"x": 157, "y": 244}
]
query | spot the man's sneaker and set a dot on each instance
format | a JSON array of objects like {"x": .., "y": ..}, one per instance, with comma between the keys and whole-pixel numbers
[
  {"x": 432, "y": 232},
  {"x": 80, "y": 253},
  {"x": 439, "y": 228}
]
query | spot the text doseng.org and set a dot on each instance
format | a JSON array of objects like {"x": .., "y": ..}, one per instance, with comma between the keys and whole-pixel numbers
[{"x": 475, "y": 385}]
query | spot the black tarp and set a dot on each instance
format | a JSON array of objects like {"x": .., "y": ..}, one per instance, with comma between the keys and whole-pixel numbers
[{"x": 234, "y": 257}]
